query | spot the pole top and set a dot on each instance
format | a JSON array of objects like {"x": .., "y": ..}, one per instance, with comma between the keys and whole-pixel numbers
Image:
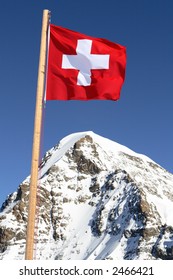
[{"x": 47, "y": 12}]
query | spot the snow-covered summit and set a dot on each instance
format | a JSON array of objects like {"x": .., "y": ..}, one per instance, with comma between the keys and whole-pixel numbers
[
  {"x": 68, "y": 142},
  {"x": 97, "y": 199}
]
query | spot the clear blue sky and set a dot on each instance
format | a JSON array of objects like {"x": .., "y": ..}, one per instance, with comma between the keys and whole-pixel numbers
[{"x": 141, "y": 120}]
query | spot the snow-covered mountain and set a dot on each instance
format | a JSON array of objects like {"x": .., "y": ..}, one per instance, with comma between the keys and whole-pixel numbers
[{"x": 96, "y": 200}]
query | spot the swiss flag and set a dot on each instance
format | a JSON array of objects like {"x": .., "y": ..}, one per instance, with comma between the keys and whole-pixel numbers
[{"x": 81, "y": 67}]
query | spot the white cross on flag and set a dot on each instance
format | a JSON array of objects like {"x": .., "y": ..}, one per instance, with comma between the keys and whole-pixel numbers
[{"x": 82, "y": 67}]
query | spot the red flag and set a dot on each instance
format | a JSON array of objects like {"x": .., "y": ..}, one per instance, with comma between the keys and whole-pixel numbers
[{"x": 82, "y": 67}]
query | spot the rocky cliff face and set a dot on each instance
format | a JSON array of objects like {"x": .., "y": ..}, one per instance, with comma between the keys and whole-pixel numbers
[{"x": 96, "y": 200}]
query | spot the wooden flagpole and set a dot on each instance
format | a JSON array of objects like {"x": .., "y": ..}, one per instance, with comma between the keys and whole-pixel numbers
[{"x": 37, "y": 139}]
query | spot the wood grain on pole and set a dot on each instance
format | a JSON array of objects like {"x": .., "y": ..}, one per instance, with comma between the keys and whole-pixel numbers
[{"x": 37, "y": 139}]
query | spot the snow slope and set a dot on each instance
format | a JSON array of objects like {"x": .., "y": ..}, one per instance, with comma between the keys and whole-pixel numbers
[
  {"x": 68, "y": 141},
  {"x": 96, "y": 200}
]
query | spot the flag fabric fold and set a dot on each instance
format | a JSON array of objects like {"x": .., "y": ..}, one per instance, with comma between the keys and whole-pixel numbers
[{"x": 81, "y": 67}]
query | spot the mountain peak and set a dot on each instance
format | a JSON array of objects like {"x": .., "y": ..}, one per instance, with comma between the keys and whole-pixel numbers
[
  {"x": 97, "y": 199},
  {"x": 67, "y": 142}
]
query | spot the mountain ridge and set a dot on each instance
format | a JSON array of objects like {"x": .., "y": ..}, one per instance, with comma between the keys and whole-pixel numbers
[{"x": 125, "y": 201}]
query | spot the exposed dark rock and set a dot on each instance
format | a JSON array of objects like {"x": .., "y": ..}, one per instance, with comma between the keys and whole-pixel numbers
[{"x": 110, "y": 189}]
